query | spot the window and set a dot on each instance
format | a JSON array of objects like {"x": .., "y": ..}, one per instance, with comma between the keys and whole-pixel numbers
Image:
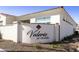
[
  {"x": 43, "y": 20},
  {"x": 67, "y": 21},
  {"x": 25, "y": 21}
]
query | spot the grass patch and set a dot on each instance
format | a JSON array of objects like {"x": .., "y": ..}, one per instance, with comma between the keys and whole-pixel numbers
[
  {"x": 37, "y": 46},
  {"x": 56, "y": 46}
]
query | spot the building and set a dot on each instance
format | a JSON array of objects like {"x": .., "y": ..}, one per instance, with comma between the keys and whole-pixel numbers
[
  {"x": 52, "y": 16},
  {"x": 77, "y": 29},
  {"x": 40, "y": 27},
  {"x": 6, "y": 19}
]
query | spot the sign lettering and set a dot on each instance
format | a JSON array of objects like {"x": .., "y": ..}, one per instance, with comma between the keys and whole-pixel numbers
[{"x": 38, "y": 34}]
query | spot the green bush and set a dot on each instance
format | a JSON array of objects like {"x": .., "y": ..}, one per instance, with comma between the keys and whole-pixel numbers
[{"x": 68, "y": 38}]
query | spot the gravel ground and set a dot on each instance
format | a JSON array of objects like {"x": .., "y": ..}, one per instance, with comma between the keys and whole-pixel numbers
[{"x": 10, "y": 46}]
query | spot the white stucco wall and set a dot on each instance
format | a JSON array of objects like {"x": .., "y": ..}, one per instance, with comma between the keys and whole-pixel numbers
[
  {"x": 3, "y": 19},
  {"x": 9, "y": 32},
  {"x": 66, "y": 29},
  {"x": 45, "y": 28},
  {"x": 18, "y": 33}
]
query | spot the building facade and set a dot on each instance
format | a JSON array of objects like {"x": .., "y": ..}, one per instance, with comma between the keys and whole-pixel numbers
[{"x": 40, "y": 27}]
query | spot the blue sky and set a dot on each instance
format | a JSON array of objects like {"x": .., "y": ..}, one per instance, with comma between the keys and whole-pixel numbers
[{"x": 21, "y": 10}]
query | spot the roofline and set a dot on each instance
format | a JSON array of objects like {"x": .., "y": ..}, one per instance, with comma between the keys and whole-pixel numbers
[
  {"x": 42, "y": 11},
  {"x": 33, "y": 12},
  {"x": 7, "y": 14}
]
